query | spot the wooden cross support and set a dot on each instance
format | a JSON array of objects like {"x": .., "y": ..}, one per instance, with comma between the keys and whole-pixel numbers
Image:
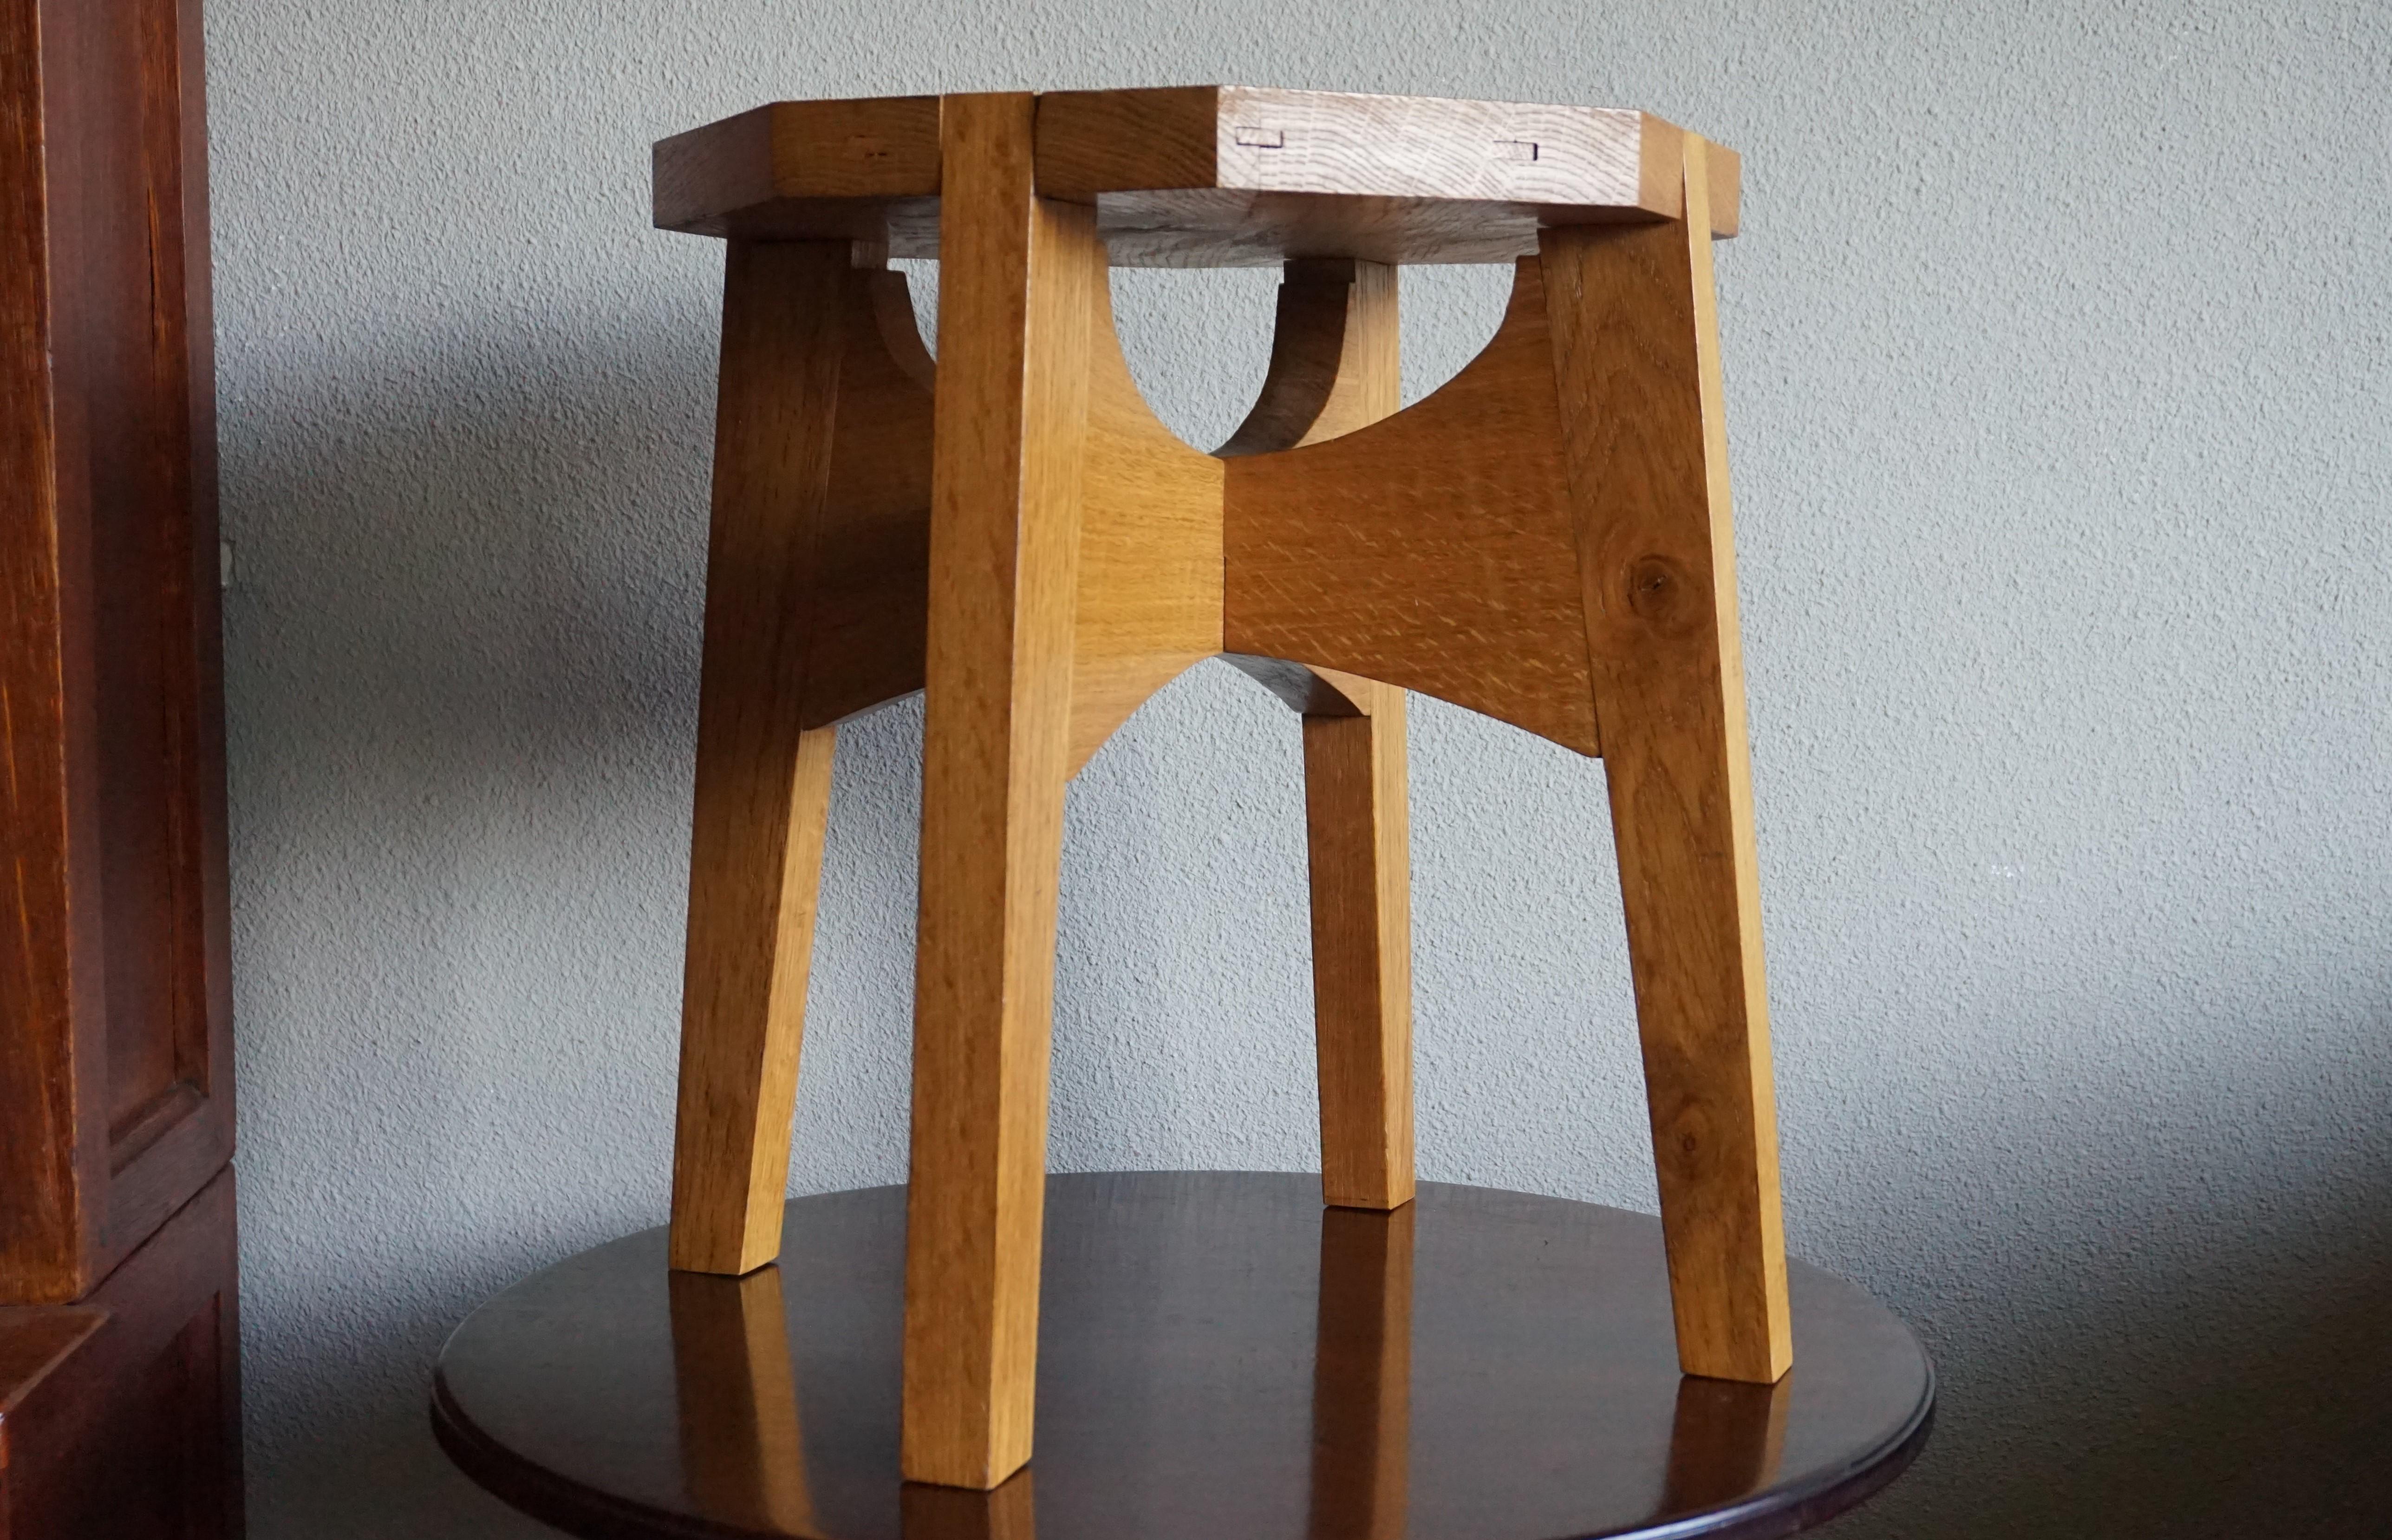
[{"x": 1546, "y": 539}]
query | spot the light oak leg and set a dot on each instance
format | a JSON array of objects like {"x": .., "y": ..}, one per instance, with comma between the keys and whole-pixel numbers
[
  {"x": 763, "y": 781},
  {"x": 1015, "y": 302},
  {"x": 1636, "y": 361},
  {"x": 1358, "y": 830},
  {"x": 1335, "y": 368}
]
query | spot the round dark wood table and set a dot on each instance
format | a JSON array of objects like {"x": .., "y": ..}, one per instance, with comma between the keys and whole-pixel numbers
[{"x": 1219, "y": 1357}]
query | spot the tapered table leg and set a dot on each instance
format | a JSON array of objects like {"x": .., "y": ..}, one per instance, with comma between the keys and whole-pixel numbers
[
  {"x": 1016, "y": 302},
  {"x": 1358, "y": 835},
  {"x": 1636, "y": 361},
  {"x": 763, "y": 781},
  {"x": 1334, "y": 369}
]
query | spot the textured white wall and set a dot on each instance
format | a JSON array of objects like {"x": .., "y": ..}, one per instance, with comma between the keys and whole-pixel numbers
[{"x": 2057, "y": 357}]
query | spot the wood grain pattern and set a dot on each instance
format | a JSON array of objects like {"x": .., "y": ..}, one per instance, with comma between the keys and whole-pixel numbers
[
  {"x": 763, "y": 781},
  {"x": 120, "y": 1417},
  {"x": 1333, "y": 363},
  {"x": 743, "y": 1453},
  {"x": 1433, "y": 550},
  {"x": 1556, "y": 160},
  {"x": 815, "y": 610},
  {"x": 1091, "y": 142},
  {"x": 1205, "y": 175},
  {"x": 41, "y": 1254},
  {"x": 1544, "y": 540},
  {"x": 1017, "y": 300},
  {"x": 1335, "y": 367},
  {"x": 869, "y": 606},
  {"x": 1661, "y": 181},
  {"x": 1636, "y": 354},
  {"x": 115, "y": 1078},
  {"x": 1149, "y": 578},
  {"x": 1358, "y": 836},
  {"x": 827, "y": 162}
]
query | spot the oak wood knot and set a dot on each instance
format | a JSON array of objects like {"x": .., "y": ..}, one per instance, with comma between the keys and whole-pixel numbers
[{"x": 1663, "y": 594}]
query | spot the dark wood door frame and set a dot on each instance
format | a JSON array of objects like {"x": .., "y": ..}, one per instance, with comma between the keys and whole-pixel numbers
[{"x": 116, "y": 1112}]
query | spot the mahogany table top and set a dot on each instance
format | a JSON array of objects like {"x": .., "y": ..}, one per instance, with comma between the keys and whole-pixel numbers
[{"x": 1218, "y": 1356}]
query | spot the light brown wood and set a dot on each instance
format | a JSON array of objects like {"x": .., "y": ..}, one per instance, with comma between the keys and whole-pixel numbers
[
  {"x": 1335, "y": 367},
  {"x": 1017, "y": 301},
  {"x": 1202, "y": 175},
  {"x": 1661, "y": 181},
  {"x": 1545, "y": 540},
  {"x": 1150, "y": 582},
  {"x": 1636, "y": 354},
  {"x": 814, "y": 611},
  {"x": 735, "y": 1384},
  {"x": 1334, "y": 364},
  {"x": 763, "y": 782},
  {"x": 1362, "y": 1384},
  {"x": 799, "y": 169},
  {"x": 868, "y": 612},
  {"x": 1236, "y": 175},
  {"x": 1433, "y": 550},
  {"x": 1358, "y": 829}
]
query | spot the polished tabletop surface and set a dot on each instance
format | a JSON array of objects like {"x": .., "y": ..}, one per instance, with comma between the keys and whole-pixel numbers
[{"x": 1218, "y": 1356}]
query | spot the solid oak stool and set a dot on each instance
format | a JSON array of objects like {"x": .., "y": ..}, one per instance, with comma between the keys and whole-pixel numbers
[
  {"x": 1220, "y": 1358},
  {"x": 1545, "y": 540}
]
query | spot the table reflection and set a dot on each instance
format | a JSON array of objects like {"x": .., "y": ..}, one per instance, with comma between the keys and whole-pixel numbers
[
  {"x": 743, "y": 1459},
  {"x": 1361, "y": 1376},
  {"x": 1725, "y": 1440},
  {"x": 735, "y": 1389}
]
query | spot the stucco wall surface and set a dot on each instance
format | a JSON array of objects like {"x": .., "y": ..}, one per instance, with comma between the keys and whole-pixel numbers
[{"x": 2057, "y": 361}]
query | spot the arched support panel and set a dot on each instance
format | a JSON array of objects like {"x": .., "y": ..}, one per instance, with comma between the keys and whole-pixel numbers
[
  {"x": 1432, "y": 550},
  {"x": 1334, "y": 371},
  {"x": 1148, "y": 603},
  {"x": 1333, "y": 363}
]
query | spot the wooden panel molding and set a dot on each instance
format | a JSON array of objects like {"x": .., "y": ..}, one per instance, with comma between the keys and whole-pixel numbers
[{"x": 115, "y": 1068}]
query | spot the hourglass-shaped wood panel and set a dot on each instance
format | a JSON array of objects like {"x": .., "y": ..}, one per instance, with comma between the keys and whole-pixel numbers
[{"x": 1545, "y": 540}]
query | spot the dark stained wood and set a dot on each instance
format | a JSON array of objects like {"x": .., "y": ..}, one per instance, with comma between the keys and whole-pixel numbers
[
  {"x": 1362, "y": 1376},
  {"x": 1218, "y": 1356},
  {"x": 120, "y": 1417},
  {"x": 119, "y": 1387},
  {"x": 115, "y": 1074}
]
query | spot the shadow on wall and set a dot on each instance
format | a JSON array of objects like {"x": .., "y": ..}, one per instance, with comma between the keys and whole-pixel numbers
[{"x": 437, "y": 667}]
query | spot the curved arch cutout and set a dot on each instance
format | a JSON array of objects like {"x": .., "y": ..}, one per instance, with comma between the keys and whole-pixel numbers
[{"x": 1433, "y": 550}]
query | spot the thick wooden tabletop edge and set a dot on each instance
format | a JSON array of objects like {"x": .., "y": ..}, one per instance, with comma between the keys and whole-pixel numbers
[{"x": 1564, "y": 161}]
